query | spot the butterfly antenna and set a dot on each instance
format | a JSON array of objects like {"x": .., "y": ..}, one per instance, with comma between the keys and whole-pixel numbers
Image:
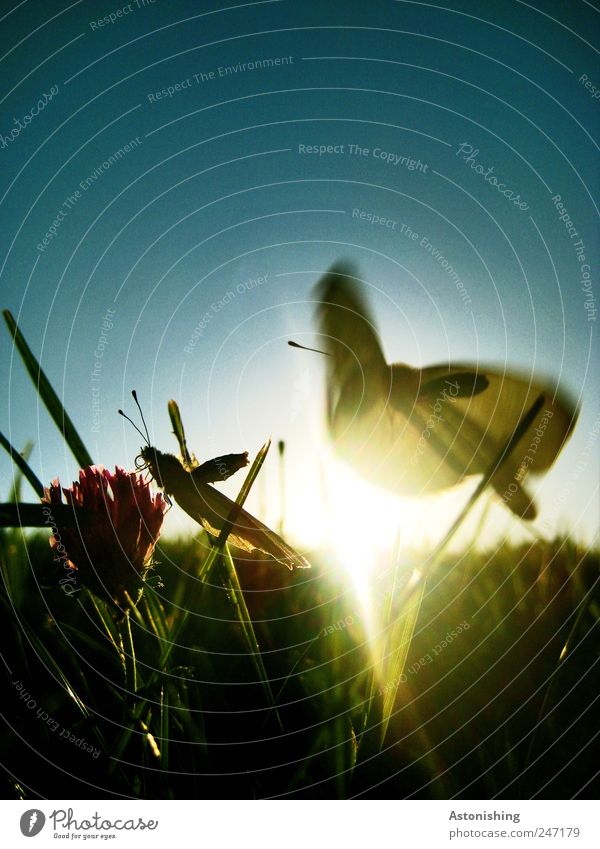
[
  {"x": 121, "y": 413},
  {"x": 137, "y": 403},
  {"x": 304, "y": 348}
]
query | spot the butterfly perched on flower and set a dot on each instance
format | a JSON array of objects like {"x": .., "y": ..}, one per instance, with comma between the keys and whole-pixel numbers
[
  {"x": 189, "y": 483},
  {"x": 422, "y": 430}
]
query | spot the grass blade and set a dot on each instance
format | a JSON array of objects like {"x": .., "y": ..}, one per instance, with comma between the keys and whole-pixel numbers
[
  {"x": 234, "y": 586},
  {"x": 107, "y": 623},
  {"x": 243, "y": 617},
  {"x": 396, "y": 651},
  {"x": 503, "y": 455},
  {"x": 243, "y": 494},
  {"x": 189, "y": 461},
  {"x": 521, "y": 428},
  {"x": 232, "y": 583},
  {"x": 219, "y": 543},
  {"x": 164, "y": 728},
  {"x": 48, "y": 395},
  {"x": 25, "y": 454},
  {"x": 131, "y": 672},
  {"x": 20, "y": 461},
  {"x": 155, "y": 615},
  {"x": 22, "y": 515}
]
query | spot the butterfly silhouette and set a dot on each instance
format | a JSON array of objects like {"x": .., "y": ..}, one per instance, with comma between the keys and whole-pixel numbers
[
  {"x": 189, "y": 483},
  {"x": 417, "y": 430},
  {"x": 193, "y": 492}
]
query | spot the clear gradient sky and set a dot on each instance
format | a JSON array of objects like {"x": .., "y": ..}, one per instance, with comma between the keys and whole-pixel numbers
[{"x": 182, "y": 201}]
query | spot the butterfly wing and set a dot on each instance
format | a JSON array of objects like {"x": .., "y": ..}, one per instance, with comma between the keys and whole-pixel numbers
[
  {"x": 459, "y": 423},
  {"x": 475, "y": 426},
  {"x": 357, "y": 373},
  {"x": 491, "y": 415},
  {"x": 211, "y": 508},
  {"x": 418, "y": 431},
  {"x": 368, "y": 431}
]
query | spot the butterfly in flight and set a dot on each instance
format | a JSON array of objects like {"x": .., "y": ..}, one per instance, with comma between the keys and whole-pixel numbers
[
  {"x": 417, "y": 430},
  {"x": 189, "y": 483}
]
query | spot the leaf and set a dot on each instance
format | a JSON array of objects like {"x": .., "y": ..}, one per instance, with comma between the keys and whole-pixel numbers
[{"x": 48, "y": 395}]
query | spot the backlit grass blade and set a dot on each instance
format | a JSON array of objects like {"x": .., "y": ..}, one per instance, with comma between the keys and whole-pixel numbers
[
  {"x": 20, "y": 461},
  {"x": 408, "y": 601},
  {"x": 499, "y": 461},
  {"x": 155, "y": 614},
  {"x": 175, "y": 416},
  {"x": 243, "y": 493},
  {"x": 343, "y": 753},
  {"x": 232, "y": 583},
  {"x": 232, "y": 580},
  {"x": 129, "y": 729},
  {"x": 297, "y": 663},
  {"x": 48, "y": 395},
  {"x": 107, "y": 623},
  {"x": 92, "y": 646},
  {"x": 191, "y": 721},
  {"x": 243, "y": 617},
  {"x": 55, "y": 668},
  {"x": 171, "y": 640},
  {"x": 235, "y": 510},
  {"x": 15, "y": 579},
  {"x": 164, "y": 728},
  {"x": 137, "y": 706},
  {"x": 503, "y": 454},
  {"x": 151, "y": 742},
  {"x": 396, "y": 650},
  {"x": 128, "y": 647}
]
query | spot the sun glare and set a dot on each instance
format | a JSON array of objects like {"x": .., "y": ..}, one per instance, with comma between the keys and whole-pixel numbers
[
  {"x": 333, "y": 509},
  {"x": 358, "y": 520},
  {"x": 336, "y": 510}
]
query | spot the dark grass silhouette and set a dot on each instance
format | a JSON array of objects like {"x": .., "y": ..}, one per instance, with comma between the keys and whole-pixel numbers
[{"x": 494, "y": 713}]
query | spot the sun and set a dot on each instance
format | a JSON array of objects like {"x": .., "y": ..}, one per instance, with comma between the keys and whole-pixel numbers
[{"x": 333, "y": 509}]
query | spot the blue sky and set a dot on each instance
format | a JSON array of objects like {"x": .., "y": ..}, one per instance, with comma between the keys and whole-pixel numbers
[{"x": 215, "y": 222}]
